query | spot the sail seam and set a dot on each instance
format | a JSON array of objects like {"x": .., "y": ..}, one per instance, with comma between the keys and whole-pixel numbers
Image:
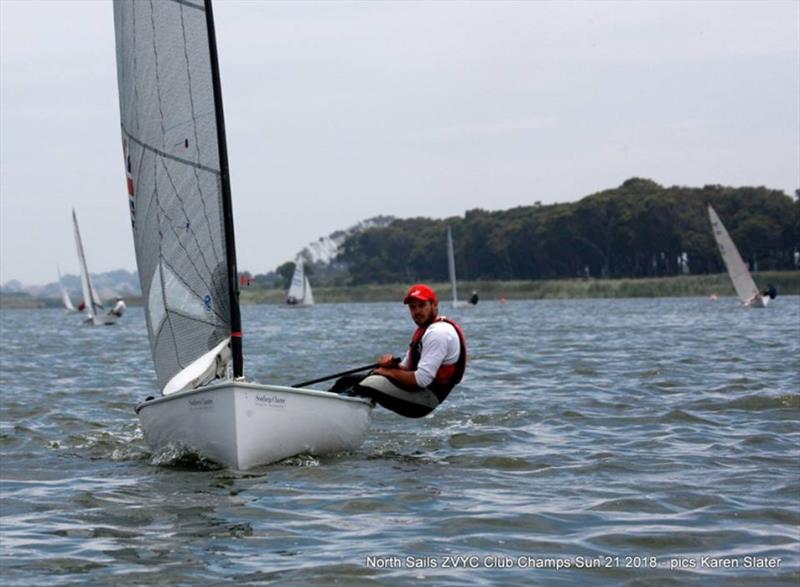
[
  {"x": 192, "y": 318},
  {"x": 161, "y": 153},
  {"x": 188, "y": 229},
  {"x": 189, "y": 5},
  {"x": 197, "y": 144}
]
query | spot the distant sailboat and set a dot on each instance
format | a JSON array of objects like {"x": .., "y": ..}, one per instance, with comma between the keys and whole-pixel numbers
[
  {"x": 95, "y": 314},
  {"x": 451, "y": 267},
  {"x": 300, "y": 289},
  {"x": 737, "y": 269},
  {"x": 65, "y": 295},
  {"x": 179, "y": 196}
]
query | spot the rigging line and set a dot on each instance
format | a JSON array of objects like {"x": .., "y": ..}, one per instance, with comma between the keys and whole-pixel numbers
[{"x": 197, "y": 143}]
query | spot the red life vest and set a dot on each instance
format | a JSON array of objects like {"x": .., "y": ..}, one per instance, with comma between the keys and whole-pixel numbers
[{"x": 448, "y": 376}]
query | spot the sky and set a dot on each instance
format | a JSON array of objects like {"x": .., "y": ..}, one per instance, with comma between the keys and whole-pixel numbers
[{"x": 340, "y": 111}]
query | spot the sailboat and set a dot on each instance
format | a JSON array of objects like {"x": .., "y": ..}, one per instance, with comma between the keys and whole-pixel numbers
[
  {"x": 737, "y": 269},
  {"x": 68, "y": 307},
  {"x": 451, "y": 267},
  {"x": 95, "y": 313},
  {"x": 179, "y": 196},
  {"x": 300, "y": 289}
]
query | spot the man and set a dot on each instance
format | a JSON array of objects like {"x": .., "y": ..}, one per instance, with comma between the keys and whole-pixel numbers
[
  {"x": 119, "y": 307},
  {"x": 434, "y": 364},
  {"x": 759, "y": 299}
]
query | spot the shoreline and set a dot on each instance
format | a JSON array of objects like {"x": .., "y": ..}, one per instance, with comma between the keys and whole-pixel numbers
[{"x": 786, "y": 282}]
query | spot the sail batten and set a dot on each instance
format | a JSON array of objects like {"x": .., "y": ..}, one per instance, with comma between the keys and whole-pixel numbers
[
  {"x": 165, "y": 155},
  {"x": 176, "y": 167}
]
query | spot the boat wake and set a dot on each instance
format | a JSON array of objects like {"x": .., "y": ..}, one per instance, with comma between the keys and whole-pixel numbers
[{"x": 183, "y": 458}]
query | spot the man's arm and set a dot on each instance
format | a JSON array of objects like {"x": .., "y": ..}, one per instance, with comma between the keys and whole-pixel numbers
[
  {"x": 433, "y": 353},
  {"x": 402, "y": 376},
  {"x": 392, "y": 368}
]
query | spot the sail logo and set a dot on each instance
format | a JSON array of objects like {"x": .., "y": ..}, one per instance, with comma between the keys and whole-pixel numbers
[
  {"x": 129, "y": 179},
  {"x": 270, "y": 401}
]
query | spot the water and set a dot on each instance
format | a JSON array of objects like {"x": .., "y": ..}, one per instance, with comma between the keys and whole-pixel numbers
[{"x": 609, "y": 438}]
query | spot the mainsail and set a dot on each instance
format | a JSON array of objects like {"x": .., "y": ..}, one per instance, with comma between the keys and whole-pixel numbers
[
  {"x": 737, "y": 269},
  {"x": 308, "y": 297},
  {"x": 178, "y": 187},
  {"x": 64, "y": 294},
  {"x": 300, "y": 289},
  {"x": 93, "y": 303},
  {"x": 451, "y": 265}
]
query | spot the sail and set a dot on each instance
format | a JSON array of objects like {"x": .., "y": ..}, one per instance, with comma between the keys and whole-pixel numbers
[
  {"x": 297, "y": 287},
  {"x": 308, "y": 297},
  {"x": 64, "y": 295},
  {"x": 737, "y": 269},
  {"x": 94, "y": 306},
  {"x": 451, "y": 265},
  {"x": 178, "y": 187}
]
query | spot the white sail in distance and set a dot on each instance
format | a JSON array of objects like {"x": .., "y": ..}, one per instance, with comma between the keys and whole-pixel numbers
[
  {"x": 68, "y": 306},
  {"x": 451, "y": 266},
  {"x": 300, "y": 289},
  {"x": 94, "y": 306},
  {"x": 737, "y": 269},
  {"x": 308, "y": 297}
]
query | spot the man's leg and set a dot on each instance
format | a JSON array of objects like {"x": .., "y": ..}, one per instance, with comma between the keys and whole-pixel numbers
[
  {"x": 411, "y": 404},
  {"x": 345, "y": 383}
]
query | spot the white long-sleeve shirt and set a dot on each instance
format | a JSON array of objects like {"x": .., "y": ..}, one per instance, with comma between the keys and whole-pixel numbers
[{"x": 440, "y": 346}]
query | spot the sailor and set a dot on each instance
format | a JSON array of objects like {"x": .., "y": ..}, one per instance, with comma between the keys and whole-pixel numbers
[
  {"x": 433, "y": 366},
  {"x": 759, "y": 298},
  {"x": 291, "y": 300},
  {"x": 473, "y": 299},
  {"x": 119, "y": 307}
]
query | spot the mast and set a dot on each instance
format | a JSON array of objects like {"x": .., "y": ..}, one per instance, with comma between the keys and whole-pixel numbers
[{"x": 227, "y": 207}]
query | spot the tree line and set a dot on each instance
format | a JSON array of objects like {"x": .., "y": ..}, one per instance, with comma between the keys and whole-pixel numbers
[{"x": 639, "y": 229}]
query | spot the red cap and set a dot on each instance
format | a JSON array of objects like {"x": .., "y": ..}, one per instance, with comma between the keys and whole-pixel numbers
[{"x": 420, "y": 292}]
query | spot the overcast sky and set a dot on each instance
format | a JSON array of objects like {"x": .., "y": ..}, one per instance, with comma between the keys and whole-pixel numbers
[{"x": 340, "y": 111}]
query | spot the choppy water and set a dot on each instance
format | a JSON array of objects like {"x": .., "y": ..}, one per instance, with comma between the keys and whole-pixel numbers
[{"x": 619, "y": 434}]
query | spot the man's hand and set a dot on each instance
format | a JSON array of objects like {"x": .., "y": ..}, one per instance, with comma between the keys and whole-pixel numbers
[
  {"x": 387, "y": 361},
  {"x": 405, "y": 378}
]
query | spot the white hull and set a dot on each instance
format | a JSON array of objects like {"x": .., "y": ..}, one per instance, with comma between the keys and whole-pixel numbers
[
  {"x": 758, "y": 301},
  {"x": 242, "y": 425},
  {"x": 101, "y": 320}
]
